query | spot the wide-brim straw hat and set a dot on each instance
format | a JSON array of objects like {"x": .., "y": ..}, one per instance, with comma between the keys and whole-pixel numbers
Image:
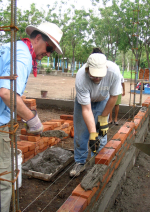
[{"x": 51, "y": 30}]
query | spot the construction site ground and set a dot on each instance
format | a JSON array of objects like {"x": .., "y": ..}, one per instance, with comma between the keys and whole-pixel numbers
[{"x": 37, "y": 195}]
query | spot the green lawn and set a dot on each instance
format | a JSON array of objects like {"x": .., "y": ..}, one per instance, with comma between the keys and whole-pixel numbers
[{"x": 127, "y": 74}]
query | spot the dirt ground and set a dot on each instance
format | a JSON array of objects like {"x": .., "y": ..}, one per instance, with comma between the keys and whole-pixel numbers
[{"x": 37, "y": 195}]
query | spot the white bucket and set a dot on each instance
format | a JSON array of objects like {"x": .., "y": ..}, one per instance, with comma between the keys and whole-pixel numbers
[{"x": 19, "y": 153}]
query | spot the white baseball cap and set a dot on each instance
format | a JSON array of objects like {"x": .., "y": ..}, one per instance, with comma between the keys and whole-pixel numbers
[
  {"x": 97, "y": 65},
  {"x": 51, "y": 30}
]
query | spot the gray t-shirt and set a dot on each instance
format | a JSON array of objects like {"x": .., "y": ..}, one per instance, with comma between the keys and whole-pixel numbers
[{"x": 87, "y": 91}]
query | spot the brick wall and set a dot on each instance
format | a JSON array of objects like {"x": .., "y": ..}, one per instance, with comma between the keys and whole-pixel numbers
[{"x": 110, "y": 157}]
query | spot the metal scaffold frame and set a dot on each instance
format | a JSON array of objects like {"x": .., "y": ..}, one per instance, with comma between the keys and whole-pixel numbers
[{"x": 13, "y": 108}]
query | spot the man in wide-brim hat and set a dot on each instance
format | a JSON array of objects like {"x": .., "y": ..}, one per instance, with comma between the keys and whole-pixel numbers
[{"x": 43, "y": 41}]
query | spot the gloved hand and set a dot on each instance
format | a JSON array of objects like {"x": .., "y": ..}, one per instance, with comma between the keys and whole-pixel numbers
[
  {"x": 34, "y": 125},
  {"x": 102, "y": 125},
  {"x": 94, "y": 143}
]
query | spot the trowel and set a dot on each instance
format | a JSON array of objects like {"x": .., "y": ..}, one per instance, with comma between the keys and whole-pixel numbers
[{"x": 143, "y": 147}]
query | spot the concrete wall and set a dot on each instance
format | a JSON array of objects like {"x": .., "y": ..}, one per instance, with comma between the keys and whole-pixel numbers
[{"x": 68, "y": 105}]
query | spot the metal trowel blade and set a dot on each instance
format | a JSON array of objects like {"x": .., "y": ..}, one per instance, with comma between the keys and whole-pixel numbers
[{"x": 143, "y": 147}]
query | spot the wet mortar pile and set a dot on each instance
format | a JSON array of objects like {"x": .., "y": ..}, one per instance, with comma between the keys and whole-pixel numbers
[{"x": 39, "y": 195}]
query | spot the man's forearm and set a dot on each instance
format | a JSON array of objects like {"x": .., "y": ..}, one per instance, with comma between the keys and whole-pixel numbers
[
  {"x": 109, "y": 106},
  {"x": 88, "y": 118},
  {"x": 22, "y": 110}
]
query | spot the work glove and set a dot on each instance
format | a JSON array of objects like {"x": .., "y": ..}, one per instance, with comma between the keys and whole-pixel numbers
[
  {"x": 34, "y": 125},
  {"x": 102, "y": 125},
  {"x": 94, "y": 142}
]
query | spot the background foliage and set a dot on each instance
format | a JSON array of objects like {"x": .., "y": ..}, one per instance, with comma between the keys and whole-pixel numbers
[{"x": 121, "y": 30}]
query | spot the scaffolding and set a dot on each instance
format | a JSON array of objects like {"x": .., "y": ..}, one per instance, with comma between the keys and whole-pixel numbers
[{"x": 13, "y": 108}]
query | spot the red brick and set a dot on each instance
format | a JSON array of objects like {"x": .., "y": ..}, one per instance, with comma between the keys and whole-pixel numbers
[
  {"x": 145, "y": 104},
  {"x": 137, "y": 123},
  {"x": 114, "y": 145},
  {"x": 105, "y": 156},
  {"x": 24, "y": 137},
  {"x": 73, "y": 204},
  {"x": 30, "y": 102},
  {"x": 34, "y": 138},
  {"x": 79, "y": 191},
  {"x": 57, "y": 120},
  {"x": 23, "y": 131},
  {"x": 113, "y": 162},
  {"x": 72, "y": 132},
  {"x": 67, "y": 117},
  {"x": 23, "y": 148},
  {"x": 101, "y": 190},
  {"x": 105, "y": 175},
  {"x": 65, "y": 125},
  {"x": 120, "y": 136},
  {"x": 129, "y": 125},
  {"x": 125, "y": 130},
  {"x": 54, "y": 124},
  {"x": 47, "y": 127},
  {"x": 69, "y": 122},
  {"x": 117, "y": 163},
  {"x": 109, "y": 177},
  {"x": 31, "y": 145}
]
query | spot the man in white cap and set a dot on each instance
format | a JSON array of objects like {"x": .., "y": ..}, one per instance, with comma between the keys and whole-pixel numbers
[
  {"x": 44, "y": 40},
  {"x": 98, "y": 85}
]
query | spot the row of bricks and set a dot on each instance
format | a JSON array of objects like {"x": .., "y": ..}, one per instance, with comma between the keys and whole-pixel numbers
[
  {"x": 51, "y": 125},
  {"x": 30, "y": 149},
  {"x": 39, "y": 144},
  {"x": 111, "y": 155}
]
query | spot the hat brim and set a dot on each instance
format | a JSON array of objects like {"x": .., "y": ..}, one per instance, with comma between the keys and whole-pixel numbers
[
  {"x": 30, "y": 29},
  {"x": 97, "y": 72}
]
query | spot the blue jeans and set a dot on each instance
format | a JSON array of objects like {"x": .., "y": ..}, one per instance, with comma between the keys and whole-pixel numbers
[{"x": 81, "y": 133}]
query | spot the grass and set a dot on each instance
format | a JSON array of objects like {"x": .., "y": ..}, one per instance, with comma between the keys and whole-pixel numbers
[{"x": 127, "y": 74}]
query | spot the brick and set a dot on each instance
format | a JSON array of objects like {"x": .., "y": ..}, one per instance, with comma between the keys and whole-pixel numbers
[
  {"x": 109, "y": 177},
  {"x": 23, "y": 131},
  {"x": 120, "y": 136},
  {"x": 129, "y": 125},
  {"x": 145, "y": 104},
  {"x": 101, "y": 190},
  {"x": 67, "y": 117},
  {"x": 79, "y": 191},
  {"x": 32, "y": 107},
  {"x": 72, "y": 133},
  {"x": 69, "y": 122},
  {"x": 23, "y": 137},
  {"x": 57, "y": 120},
  {"x": 30, "y": 102},
  {"x": 34, "y": 138},
  {"x": 31, "y": 145},
  {"x": 23, "y": 148},
  {"x": 28, "y": 154},
  {"x": 19, "y": 118},
  {"x": 114, "y": 162},
  {"x": 105, "y": 156},
  {"x": 54, "y": 124},
  {"x": 65, "y": 125},
  {"x": 117, "y": 163},
  {"x": 105, "y": 175},
  {"x": 47, "y": 127},
  {"x": 137, "y": 123},
  {"x": 73, "y": 204},
  {"x": 125, "y": 130},
  {"x": 114, "y": 145}
]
